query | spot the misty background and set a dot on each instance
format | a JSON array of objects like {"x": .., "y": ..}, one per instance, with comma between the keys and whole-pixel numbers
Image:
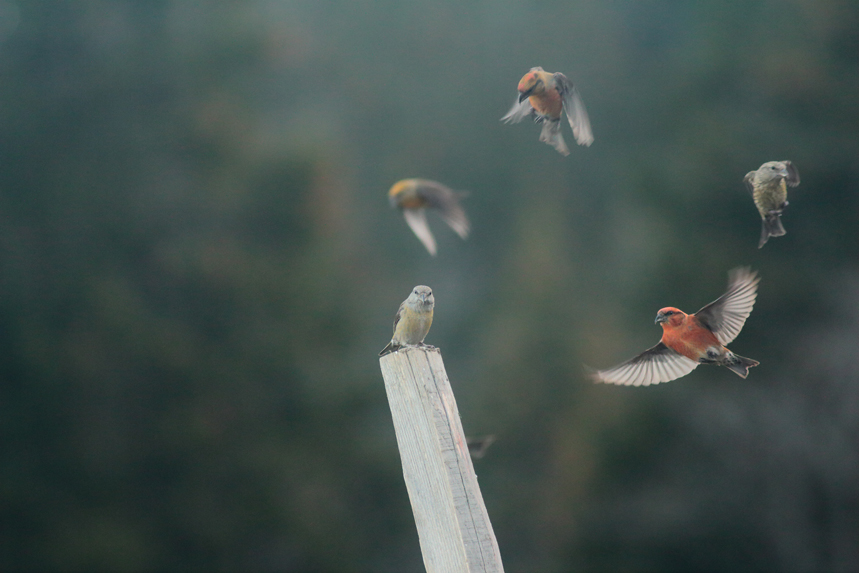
[{"x": 199, "y": 265}]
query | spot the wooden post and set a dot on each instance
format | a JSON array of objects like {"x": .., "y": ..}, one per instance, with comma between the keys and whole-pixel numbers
[{"x": 453, "y": 526}]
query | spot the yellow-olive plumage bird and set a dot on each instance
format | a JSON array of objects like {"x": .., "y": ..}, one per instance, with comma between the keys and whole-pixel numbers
[
  {"x": 413, "y": 320},
  {"x": 414, "y": 196},
  {"x": 544, "y": 96},
  {"x": 768, "y": 186}
]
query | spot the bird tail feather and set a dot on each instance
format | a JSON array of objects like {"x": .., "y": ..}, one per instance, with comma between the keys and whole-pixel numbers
[
  {"x": 391, "y": 347},
  {"x": 772, "y": 227},
  {"x": 740, "y": 365},
  {"x": 551, "y": 134}
]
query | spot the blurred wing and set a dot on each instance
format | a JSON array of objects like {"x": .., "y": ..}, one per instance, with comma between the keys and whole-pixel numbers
[
  {"x": 655, "y": 365},
  {"x": 417, "y": 220},
  {"x": 749, "y": 180},
  {"x": 518, "y": 112},
  {"x": 575, "y": 110},
  {"x": 726, "y": 315},
  {"x": 792, "y": 174},
  {"x": 446, "y": 200},
  {"x": 455, "y": 217}
]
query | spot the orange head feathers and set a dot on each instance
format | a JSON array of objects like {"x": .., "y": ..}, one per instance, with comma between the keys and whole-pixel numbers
[
  {"x": 531, "y": 84},
  {"x": 670, "y": 317}
]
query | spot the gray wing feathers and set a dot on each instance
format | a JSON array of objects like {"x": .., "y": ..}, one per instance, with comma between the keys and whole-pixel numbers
[
  {"x": 574, "y": 107},
  {"x": 417, "y": 220},
  {"x": 446, "y": 201},
  {"x": 456, "y": 220},
  {"x": 726, "y": 315},
  {"x": 518, "y": 112},
  {"x": 792, "y": 174},
  {"x": 653, "y": 366}
]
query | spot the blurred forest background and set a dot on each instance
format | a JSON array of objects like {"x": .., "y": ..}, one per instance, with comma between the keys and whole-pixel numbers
[{"x": 200, "y": 265}]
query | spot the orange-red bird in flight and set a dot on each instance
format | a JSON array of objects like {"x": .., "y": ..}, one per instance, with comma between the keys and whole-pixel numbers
[
  {"x": 544, "y": 96},
  {"x": 692, "y": 339}
]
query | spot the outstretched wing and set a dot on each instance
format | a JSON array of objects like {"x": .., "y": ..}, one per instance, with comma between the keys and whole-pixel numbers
[
  {"x": 726, "y": 315},
  {"x": 417, "y": 220},
  {"x": 574, "y": 107},
  {"x": 654, "y": 365},
  {"x": 519, "y": 111},
  {"x": 446, "y": 201},
  {"x": 792, "y": 174}
]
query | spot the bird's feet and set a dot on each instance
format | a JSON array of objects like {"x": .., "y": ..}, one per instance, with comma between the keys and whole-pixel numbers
[{"x": 780, "y": 209}]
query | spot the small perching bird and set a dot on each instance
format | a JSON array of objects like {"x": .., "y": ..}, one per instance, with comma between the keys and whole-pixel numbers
[
  {"x": 413, "y": 320},
  {"x": 768, "y": 186},
  {"x": 544, "y": 96},
  {"x": 692, "y": 339},
  {"x": 414, "y": 196}
]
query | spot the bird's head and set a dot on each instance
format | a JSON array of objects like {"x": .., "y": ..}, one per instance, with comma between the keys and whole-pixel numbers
[
  {"x": 670, "y": 317},
  {"x": 421, "y": 297},
  {"x": 402, "y": 193},
  {"x": 772, "y": 171},
  {"x": 531, "y": 84}
]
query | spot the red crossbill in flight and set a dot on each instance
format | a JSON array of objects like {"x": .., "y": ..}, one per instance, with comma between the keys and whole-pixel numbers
[
  {"x": 768, "y": 186},
  {"x": 413, "y": 320},
  {"x": 415, "y": 196},
  {"x": 544, "y": 96},
  {"x": 692, "y": 339}
]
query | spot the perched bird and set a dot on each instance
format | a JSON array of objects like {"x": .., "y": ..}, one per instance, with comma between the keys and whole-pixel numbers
[
  {"x": 414, "y": 196},
  {"x": 692, "y": 339},
  {"x": 544, "y": 95},
  {"x": 413, "y": 320},
  {"x": 768, "y": 186}
]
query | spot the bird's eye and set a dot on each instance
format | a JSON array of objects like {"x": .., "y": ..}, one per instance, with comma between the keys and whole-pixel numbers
[
  {"x": 668, "y": 312},
  {"x": 416, "y": 291},
  {"x": 774, "y": 168}
]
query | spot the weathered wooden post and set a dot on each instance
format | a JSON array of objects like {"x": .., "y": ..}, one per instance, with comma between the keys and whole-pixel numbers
[{"x": 453, "y": 526}]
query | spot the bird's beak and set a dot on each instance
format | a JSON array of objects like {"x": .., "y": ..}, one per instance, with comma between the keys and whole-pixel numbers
[
  {"x": 525, "y": 94},
  {"x": 423, "y": 297},
  {"x": 392, "y": 199},
  {"x": 784, "y": 173},
  {"x": 660, "y": 318}
]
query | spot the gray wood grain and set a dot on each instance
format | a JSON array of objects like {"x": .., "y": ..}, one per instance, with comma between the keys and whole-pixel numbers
[{"x": 453, "y": 525}]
